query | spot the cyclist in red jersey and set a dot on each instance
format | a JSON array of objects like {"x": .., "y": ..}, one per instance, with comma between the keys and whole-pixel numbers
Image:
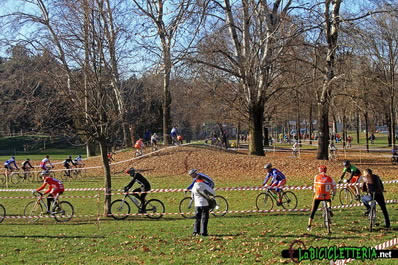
[{"x": 56, "y": 188}]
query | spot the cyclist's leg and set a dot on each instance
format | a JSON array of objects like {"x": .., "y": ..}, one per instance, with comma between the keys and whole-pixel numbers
[
  {"x": 50, "y": 202},
  {"x": 315, "y": 205},
  {"x": 279, "y": 190}
]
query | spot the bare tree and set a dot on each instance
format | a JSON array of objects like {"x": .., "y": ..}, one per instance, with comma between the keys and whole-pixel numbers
[{"x": 169, "y": 19}]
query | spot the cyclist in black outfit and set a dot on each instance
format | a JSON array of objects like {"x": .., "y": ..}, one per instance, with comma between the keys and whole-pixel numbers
[
  {"x": 143, "y": 183},
  {"x": 26, "y": 165},
  {"x": 67, "y": 165}
]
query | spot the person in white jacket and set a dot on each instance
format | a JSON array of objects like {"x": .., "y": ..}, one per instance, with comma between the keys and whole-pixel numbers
[{"x": 201, "y": 193}]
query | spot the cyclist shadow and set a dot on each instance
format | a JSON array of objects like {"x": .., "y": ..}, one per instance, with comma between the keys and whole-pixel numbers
[{"x": 307, "y": 235}]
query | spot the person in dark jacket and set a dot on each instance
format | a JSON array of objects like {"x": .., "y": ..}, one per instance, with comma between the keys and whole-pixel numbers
[{"x": 374, "y": 187}]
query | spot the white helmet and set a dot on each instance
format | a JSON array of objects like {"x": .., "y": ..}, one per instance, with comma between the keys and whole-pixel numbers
[{"x": 192, "y": 171}]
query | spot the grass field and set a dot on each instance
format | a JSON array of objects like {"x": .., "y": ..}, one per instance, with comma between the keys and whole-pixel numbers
[{"x": 244, "y": 238}]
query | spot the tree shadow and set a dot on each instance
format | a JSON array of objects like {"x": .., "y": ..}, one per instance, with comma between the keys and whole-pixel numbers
[{"x": 307, "y": 235}]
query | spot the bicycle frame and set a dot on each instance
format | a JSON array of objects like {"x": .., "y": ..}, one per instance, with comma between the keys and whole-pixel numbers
[{"x": 133, "y": 199}]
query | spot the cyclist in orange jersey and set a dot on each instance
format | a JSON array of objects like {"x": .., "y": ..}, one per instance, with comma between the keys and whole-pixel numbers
[{"x": 324, "y": 186}]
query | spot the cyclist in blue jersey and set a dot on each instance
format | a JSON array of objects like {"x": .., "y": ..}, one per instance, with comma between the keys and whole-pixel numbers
[
  {"x": 8, "y": 165},
  {"x": 278, "y": 180},
  {"x": 206, "y": 179}
]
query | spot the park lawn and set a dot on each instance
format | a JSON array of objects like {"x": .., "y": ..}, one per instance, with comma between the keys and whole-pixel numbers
[{"x": 245, "y": 238}]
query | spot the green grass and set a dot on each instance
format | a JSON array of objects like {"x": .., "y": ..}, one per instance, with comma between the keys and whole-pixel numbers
[{"x": 235, "y": 238}]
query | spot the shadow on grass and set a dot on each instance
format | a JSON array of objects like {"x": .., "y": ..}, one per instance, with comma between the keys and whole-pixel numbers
[
  {"x": 307, "y": 235},
  {"x": 48, "y": 236}
]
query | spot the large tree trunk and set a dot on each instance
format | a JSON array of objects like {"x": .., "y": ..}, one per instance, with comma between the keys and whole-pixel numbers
[
  {"x": 367, "y": 130},
  {"x": 166, "y": 104},
  {"x": 358, "y": 127},
  {"x": 108, "y": 178},
  {"x": 91, "y": 149},
  {"x": 256, "y": 119},
  {"x": 266, "y": 137},
  {"x": 311, "y": 126},
  {"x": 323, "y": 140}
]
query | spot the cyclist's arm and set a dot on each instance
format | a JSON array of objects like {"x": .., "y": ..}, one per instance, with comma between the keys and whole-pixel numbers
[
  {"x": 15, "y": 164},
  {"x": 42, "y": 186},
  {"x": 130, "y": 184},
  {"x": 266, "y": 179},
  {"x": 342, "y": 176},
  {"x": 190, "y": 186},
  {"x": 352, "y": 175},
  {"x": 29, "y": 164}
]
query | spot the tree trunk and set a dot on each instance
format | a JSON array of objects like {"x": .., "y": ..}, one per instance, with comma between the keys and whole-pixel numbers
[
  {"x": 358, "y": 127},
  {"x": 166, "y": 109},
  {"x": 108, "y": 178},
  {"x": 256, "y": 119},
  {"x": 323, "y": 140},
  {"x": 388, "y": 118},
  {"x": 237, "y": 135},
  {"x": 366, "y": 131},
  {"x": 344, "y": 130},
  {"x": 311, "y": 129},
  {"x": 266, "y": 136},
  {"x": 91, "y": 149}
]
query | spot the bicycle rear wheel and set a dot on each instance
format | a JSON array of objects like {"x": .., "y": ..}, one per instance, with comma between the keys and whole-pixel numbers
[
  {"x": 2, "y": 179},
  {"x": 120, "y": 209},
  {"x": 264, "y": 201},
  {"x": 221, "y": 206},
  {"x": 346, "y": 196},
  {"x": 289, "y": 200},
  {"x": 326, "y": 217},
  {"x": 63, "y": 212},
  {"x": 15, "y": 178},
  {"x": 33, "y": 210},
  {"x": 2, "y": 213},
  {"x": 154, "y": 208},
  {"x": 372, "y": 218},
  {"x": 186, "y": 207}
]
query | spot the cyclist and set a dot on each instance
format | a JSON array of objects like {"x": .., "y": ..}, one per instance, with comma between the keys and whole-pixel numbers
[
  {"x": 154, "y": 140},
  {"x": 44, "y": 162},
  {"x": 67, "y": 164},
  {"x": 180, "y": 139},
  {"x": 139, "y": 146},
  {"x": 173, "y": 134},
  {"x": 55, "y": 189},
  {"x": 26, "y": 166},
  {"x": 8, "y": 165},
  {"x": 206, "y": 179},
  {"x": 295, "y": 149},
  {"x": 355, "y": 177},
  {"x": 278, "y": 180},
  {"x": 374, "y": 186},
  {"x": 78, "y": 161},
  {"x": 323, "y": 186},
  {"x": 394, "y": 156},
  {"x": 110, "y": 157},
  {"x": 143, "y": 183}
]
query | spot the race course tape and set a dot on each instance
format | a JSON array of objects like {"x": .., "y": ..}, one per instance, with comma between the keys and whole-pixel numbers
[
  {"x": 191, "y": 213},
  {"x": 255, "y": 188},
  {"x": 382, "y": 246}
]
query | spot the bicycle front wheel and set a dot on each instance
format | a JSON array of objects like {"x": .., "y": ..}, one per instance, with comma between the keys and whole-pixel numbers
[
  {"x": 63, "y": 212},
  {"x": 33, "y": 210},
  {"x": 120, "y": 209},
  {"x": 346, "y": 196},
  {"x": 186, "y": 207},
  {"x": 15, "y": 178},
  {"x": 2, "y": 213},
  {"x": 221, "y": 206},
  {"x": 2, "y": 179},
  {"x": 154, "y": 208},
  {"x": 289, "y": 200},
  {"x": 264, "y": 201}
]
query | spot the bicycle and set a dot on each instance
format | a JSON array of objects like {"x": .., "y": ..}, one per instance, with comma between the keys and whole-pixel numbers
[
  {"x": 17, "y": 177},
  {"x": 327, "y": 219},
  {"x": 61, "y": 211},
  {"x": 120, "y": 208},
  {"x": 265, "y": 200},
  {"x": 72, "y": 173},
  {"x": 347, "y": 196},
  {"x": 186, "y": 205},
  {"x": 2, "y": 213}
]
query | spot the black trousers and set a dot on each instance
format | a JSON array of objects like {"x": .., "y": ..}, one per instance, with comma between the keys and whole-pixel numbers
[
  {"x": 202, "y": 219},
  {"x": 315, "y": 205}
]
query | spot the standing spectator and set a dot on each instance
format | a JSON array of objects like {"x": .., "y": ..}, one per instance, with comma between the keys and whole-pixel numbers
[
  {"x": 374, "y": 187},
  {"x": 349, "y": 140},
  {"x": 200, "y": 195},
  {"x": 372, "y": 138}
]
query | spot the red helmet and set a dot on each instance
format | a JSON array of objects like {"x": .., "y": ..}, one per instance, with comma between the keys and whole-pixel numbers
[{"x": 322, "y": 168}]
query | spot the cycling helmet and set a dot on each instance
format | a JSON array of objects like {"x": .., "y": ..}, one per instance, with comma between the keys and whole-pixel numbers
[
  {"x": 346, "y": 163},
  {"x": 192, "y": 171},
  {"x": 13, "y": 157},
  {"x": 130, "y": 171},
  {"x": 27, "y": 159},
  {"x": 44, "y": 173},
  {"x": 267, "y": 166},
  {"x": 70, "y": 157},
  {"x": 322, "y": 168},
  {"x": 80, "y": 156}
]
